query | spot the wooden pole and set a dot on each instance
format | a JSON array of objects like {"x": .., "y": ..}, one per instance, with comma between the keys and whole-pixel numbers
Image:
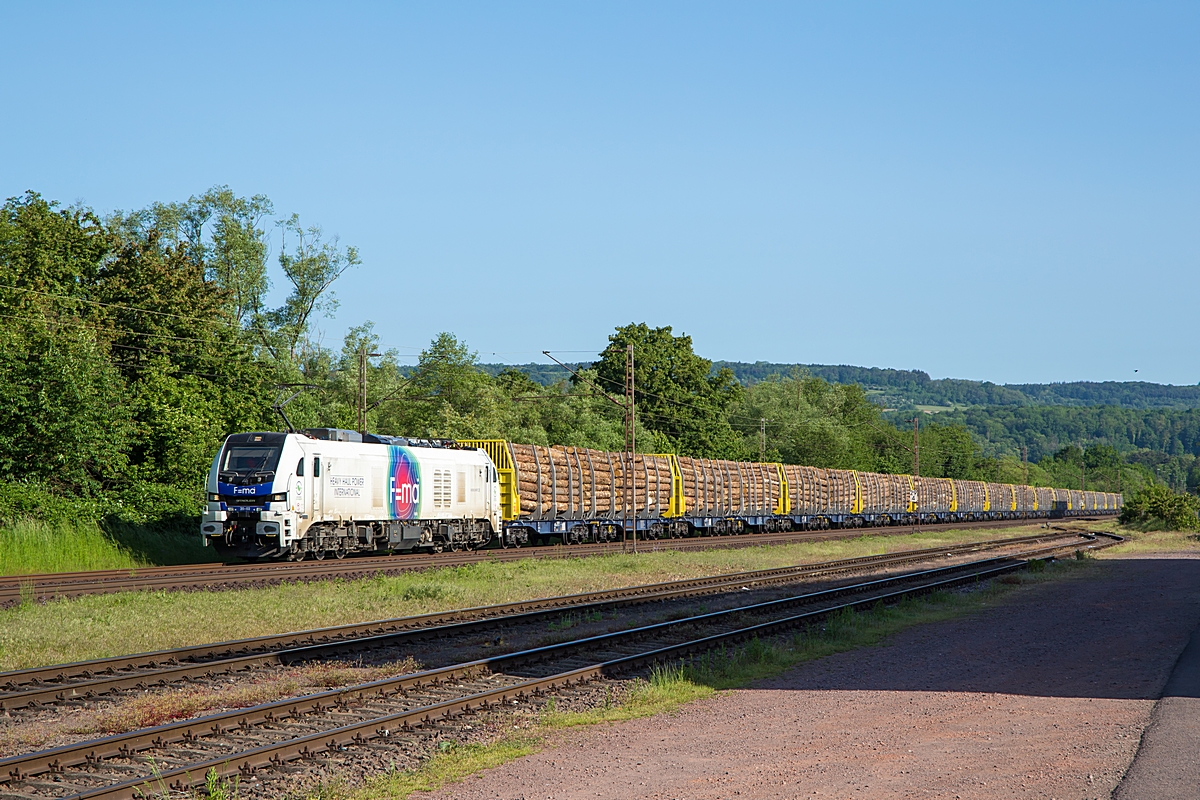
[
  {"x": 916, "y": 448},
  {"x": 630, "y": 449}
]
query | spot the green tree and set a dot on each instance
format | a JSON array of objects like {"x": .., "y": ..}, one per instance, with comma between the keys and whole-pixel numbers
[
  {"x": 63, "y": 420},
  {"x": 810, "y": 421},
  {"x": 311, "y": 267},
  {"x": 191, "y": 375},
  {"x": 61, "y": 416},
  {"x": 217, "y": 230},
  {"x": 675, "y": 393}
]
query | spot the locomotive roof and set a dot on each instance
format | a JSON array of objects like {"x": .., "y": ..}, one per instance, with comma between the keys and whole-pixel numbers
[
  {"x": 331, "y": 434},
  {"x": 257, "y": 437}
]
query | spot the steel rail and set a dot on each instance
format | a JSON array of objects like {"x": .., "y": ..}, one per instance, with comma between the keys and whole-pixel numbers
[
  {"x": 15, "y": 589},
  {"x": 105, "y": 675},
  {"x": 124, "y": 745}
]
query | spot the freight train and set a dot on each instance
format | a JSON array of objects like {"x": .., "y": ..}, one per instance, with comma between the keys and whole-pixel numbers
[{"x": 329, "y": 492}]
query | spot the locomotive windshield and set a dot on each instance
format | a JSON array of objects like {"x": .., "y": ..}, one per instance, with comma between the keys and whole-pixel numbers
[{"x": 250, "y": 458}]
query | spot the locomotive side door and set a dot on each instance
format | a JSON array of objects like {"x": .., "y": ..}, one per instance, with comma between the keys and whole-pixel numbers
[
  {"x": 482, "y": 486},
  {"x": 316, "y": 493}
]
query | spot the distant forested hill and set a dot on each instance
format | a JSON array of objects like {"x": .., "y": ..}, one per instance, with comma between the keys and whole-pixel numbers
[
  {"x": 897, "y": 388},
  {"x": 904, "y": 388},
  {"x": 1003, "y": 430}
]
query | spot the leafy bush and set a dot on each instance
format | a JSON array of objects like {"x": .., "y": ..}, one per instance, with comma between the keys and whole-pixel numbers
[
  {"x": 1156, "y": 505},
  {"x": 34, "y": 501}
]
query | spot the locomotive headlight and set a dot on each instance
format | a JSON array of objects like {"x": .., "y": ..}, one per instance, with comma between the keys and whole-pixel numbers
[
  {"x": 278, "y": 498},
  {"x": 213, "y": 497}
]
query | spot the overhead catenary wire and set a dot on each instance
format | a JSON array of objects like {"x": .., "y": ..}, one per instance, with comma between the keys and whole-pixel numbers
[
  {"x": 117, "y": 305},
  {"x": 65, "y": 324}
]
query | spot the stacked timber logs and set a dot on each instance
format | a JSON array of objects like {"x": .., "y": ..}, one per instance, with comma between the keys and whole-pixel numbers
[
  {"x": 1025, "y": 496},
  {"x": 884, "y": 494},
  {"x": 969, "y": 495},
  {"x": 716, "y": 486},
  {"x": 1045, "y": 498},
  {"x": 652, "y": 484},
  {"x": 820, "y": 491},
  {"x": 580, "y": 483},
  {"x": 934, "y": 494},
  {"x": 1001, "y": 496}
]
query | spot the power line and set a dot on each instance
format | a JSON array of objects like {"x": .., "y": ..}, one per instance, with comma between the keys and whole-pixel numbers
[
  {"x": 64, "y": 324},
  {"x": 114, "y": 305}
]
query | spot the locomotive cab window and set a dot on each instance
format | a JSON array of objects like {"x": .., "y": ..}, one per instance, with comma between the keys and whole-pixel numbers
[
  {"x": 250, "y": 458},
  {"x": 316, "y": 467},
  {"x": 300, "y": 468}
]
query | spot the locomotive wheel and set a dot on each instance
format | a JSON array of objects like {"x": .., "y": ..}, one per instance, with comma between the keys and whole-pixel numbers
[
  {"x": 319, "y": 555},
  {"x": 340, "y": 553}
]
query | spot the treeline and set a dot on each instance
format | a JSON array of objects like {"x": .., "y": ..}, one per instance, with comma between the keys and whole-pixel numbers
[
  {"x": 903, "y": 389},
  {"x": 131, "y": 344},
  {"x": 1165, "y": 442}
]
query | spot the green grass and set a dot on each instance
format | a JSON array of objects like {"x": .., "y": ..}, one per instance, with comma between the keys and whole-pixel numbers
[
  {"x": 671, "y": 686},
  {"x": 108, "y": 625},
  {"x": 1145, "y": 540},
  {"x": 31, "y": 546},
  {"x": 453, "y": 763},
  {"x": 28, "y": 547}
]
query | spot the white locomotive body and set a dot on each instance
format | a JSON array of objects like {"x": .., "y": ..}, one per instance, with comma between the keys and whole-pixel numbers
[{"x": 326, "y": 491}]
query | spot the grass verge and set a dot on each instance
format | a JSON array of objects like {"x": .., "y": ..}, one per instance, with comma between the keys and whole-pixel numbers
[
  {"x": 1146, "y": 540},
  {"x": 32, "y": 546},
  {"x": 109, "y": 625},
  {"x": 670, "y": 687}
]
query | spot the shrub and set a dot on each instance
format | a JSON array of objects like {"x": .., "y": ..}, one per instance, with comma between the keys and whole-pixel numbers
[{"x": 1156, "y": 505}]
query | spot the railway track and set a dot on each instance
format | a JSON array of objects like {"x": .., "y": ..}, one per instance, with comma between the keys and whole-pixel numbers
[
  {"x": 15, "y": 589},
  {"x": 392, "y": 712},
  {"x": 64, "y": 683}
]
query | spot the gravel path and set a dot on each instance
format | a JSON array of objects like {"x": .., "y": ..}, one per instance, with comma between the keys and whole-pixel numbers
[{"x": 1046, "y": 694}]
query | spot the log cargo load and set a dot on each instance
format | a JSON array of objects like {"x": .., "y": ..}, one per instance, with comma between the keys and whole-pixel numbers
[{"x": 586, "y": 494}]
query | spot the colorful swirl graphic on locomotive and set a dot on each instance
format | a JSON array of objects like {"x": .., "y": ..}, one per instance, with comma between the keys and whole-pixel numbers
[{"x": 404, "y": 483}]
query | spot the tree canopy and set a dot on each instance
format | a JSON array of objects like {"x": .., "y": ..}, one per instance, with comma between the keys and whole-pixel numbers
[{"x": 130, "y": 345}]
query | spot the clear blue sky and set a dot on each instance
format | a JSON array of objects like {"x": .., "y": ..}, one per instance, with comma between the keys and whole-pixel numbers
[{"x": 999, "y": 191}]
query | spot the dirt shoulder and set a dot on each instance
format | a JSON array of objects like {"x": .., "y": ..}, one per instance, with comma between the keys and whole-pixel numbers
[{"x": 1044, "y": 694}]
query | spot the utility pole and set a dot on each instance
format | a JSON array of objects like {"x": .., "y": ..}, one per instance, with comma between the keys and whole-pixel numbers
[
  {"x": 762, "y": 438},
  {"x": 630, "y": 451},
  {"x": 1025, "y": 462},
  {"x": 916, "y": 448},
  {"x": 363, "y": 355},
  {"x": 629, "y": 495},
  {"x": 1082, "y": 467}
]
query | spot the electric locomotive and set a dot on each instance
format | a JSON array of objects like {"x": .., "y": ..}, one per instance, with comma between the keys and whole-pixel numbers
[{"x": 326, "y": 491}]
